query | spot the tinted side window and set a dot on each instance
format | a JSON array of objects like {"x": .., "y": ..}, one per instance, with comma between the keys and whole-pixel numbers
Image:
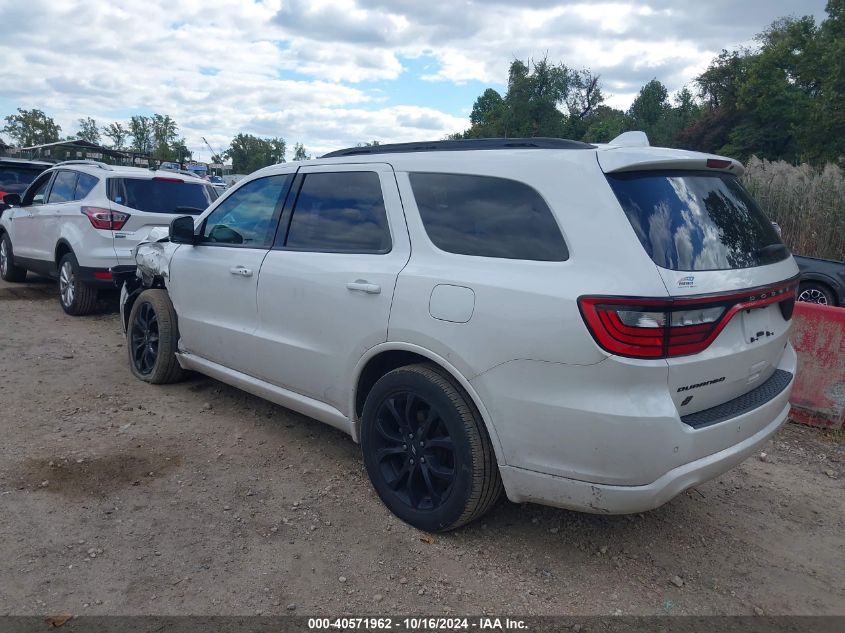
[
  {"x": 84, "y": 184},
  {"x": 249, "y": 215},
  {"x": 340, "y": 212},
  {"x": 487, "y": 217},
  {"x": 63, "y": 187}
]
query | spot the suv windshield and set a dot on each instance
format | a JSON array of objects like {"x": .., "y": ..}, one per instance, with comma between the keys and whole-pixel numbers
[
  {"x": 161, "y": 195},
  {"x": 15, "y": 179},
  {"x": 691, "y": 220}
]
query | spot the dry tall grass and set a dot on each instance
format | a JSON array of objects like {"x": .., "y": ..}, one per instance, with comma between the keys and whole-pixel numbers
[{"x": 808, "y": 203}]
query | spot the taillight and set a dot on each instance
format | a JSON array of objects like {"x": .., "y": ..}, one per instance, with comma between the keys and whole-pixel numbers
[
  {"x": 105, "y": 218},
  {"x": 678, "y": 326},
  {"x": 718, "y": 163}
]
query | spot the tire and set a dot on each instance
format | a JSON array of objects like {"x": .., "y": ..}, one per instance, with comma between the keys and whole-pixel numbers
[
  {"x": 8, "y": 270},
  {"x": 75, "y": 297},
  {"x": 152, "y": 338},
  {"x": 418, "y": 413},
  {"x": 815, "y": 292}
]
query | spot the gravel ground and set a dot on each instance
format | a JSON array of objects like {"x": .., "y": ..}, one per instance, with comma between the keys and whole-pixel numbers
[{"x": 118, "y": 497}]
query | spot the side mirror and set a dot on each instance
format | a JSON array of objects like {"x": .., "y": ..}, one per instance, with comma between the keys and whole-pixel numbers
[
  {"x": 12, "y": 199},
  {"x": 182, "y": 230}
]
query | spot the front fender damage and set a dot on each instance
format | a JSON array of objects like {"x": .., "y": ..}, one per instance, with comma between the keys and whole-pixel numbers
[
  {"x": 152, "y": 257},
  {"x": 152, "y": 270}
]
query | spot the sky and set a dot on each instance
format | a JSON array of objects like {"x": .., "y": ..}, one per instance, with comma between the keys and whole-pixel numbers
[{"x": 334, "y": 73}]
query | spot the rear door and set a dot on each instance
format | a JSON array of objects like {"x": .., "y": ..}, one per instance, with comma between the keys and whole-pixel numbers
[
  {"x": 325, "y": 290},
  {"x": 213, "y": 284},
  {"x": 152, "y": 202},
  {"x": 708, "y": 239}
]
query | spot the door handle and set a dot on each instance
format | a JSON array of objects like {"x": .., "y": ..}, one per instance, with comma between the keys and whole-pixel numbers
[
  {"x": 359, "y": 285},
  {"x": 243, "y": 271}
]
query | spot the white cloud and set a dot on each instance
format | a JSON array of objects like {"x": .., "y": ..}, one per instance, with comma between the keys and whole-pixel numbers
[{"x": 330, "y": 73}]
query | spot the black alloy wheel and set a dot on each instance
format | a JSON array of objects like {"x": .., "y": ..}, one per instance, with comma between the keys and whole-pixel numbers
[
  {"x": 415, "y": 454},
  {"x": 144, "y": 339}
]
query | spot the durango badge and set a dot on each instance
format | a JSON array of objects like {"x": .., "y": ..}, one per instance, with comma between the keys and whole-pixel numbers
[{"x": 686, "y": 282}]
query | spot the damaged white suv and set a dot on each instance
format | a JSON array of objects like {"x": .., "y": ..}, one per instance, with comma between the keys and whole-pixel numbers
[{"x": 590, "y": 327}]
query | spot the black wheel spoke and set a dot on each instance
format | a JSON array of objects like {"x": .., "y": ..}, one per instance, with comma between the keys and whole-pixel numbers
[
  {"x": 440, "y": 471},
  {"x": 391, "y": 406},
  {"x": 409, "y": 403},
  {"x": 400, "y": 477},
  {"x": 384, "y": 453},
  {"x": 390, "y": 437},
  {"x": 428, "y": 423},
  {"x": 444, "y": 443},
  {"x": 435, "y": 496}
]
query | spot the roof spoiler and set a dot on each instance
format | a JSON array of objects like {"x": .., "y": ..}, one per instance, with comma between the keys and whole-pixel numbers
[{"x": 631, "y": 139}]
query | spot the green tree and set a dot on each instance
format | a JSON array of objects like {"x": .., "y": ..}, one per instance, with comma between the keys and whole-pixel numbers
[
  {"x": 141, "y": 133},
  {"x": 249, "y": 153},
  {"x": 165, "y": 137},
  {"x": 543, "y": 99},
  {"x": 116, "y": 133},
  {"x": 89, "y": 130},
  {"x": 604, "y": 124},
  {"x": 31, "y": 127},
  {"x": 650, "y": 106},
  {"x": 487, "y": 114}
]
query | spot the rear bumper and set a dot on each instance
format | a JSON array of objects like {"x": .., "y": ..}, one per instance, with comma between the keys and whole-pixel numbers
[
  {"x": 524, "y": 485},
  {"x": 96, "y": 277}
]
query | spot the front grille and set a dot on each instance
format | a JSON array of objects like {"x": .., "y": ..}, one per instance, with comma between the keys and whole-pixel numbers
[{"x": 757, "y": 397}]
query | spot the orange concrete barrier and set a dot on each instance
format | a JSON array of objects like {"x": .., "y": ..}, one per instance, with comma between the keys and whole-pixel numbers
[{"x": 818, "y": 335}]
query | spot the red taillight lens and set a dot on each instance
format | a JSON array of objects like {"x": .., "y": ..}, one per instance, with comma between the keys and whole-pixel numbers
[
  {"x": 678, "y": 326},
  {"x": 717, "y": 163},
  {"x": 105, "y": 218}
]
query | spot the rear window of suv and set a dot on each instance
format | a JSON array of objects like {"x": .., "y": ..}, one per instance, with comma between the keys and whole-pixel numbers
[
  {"x": 487, "y": 217},
  {"x": 161, "y": 195},
  {"x": 690, "y": 220},
  {"x": 15, "y": 179}
]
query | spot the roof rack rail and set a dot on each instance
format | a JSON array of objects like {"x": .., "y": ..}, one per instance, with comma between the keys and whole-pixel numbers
[
  {"x": 462, "y": 145},
  {"x": 95, "y": 163}
]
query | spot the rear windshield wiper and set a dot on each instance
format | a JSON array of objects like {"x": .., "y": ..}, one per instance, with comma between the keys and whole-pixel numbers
[
  {"x": 771, "y": 249},
  {"x": 189, "y": 210}
]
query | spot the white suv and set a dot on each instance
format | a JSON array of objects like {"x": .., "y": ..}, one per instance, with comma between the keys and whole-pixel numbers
[
  {"x": 591, "y": 327},
  {"x": 80, "y": 219}
]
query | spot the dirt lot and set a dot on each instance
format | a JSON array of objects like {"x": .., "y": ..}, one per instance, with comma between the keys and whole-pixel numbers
[{"x": 117, "y": 497}]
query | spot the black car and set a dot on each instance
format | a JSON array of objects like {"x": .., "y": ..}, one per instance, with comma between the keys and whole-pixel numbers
[
  {"x": 822, "y": 281},
  {"x": 16, "y": 174}
]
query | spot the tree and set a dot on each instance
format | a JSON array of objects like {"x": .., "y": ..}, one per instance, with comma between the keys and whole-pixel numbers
[
  {"x": 650, "y": 105},
  {"x": 487, "y": 114},
  {"x": 165, "y": 137},
  {"x": 543, "y": 99},
  {"x": 117, "y": 133},
  {"x": 31, "y": 127},
  {"x": 141, "y": 132},
  {"x": 89, "y": 130},
  {"x": 299, "y": 152},
  {"x": 249, "y": 153},
  {"x": 604, "y": 124}
]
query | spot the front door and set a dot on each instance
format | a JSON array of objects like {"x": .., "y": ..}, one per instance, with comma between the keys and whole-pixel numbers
[
  {"x": 25, "y": 237},
  {"x": 325, "y": 289},
  {"x": 213, "y": 284}
]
